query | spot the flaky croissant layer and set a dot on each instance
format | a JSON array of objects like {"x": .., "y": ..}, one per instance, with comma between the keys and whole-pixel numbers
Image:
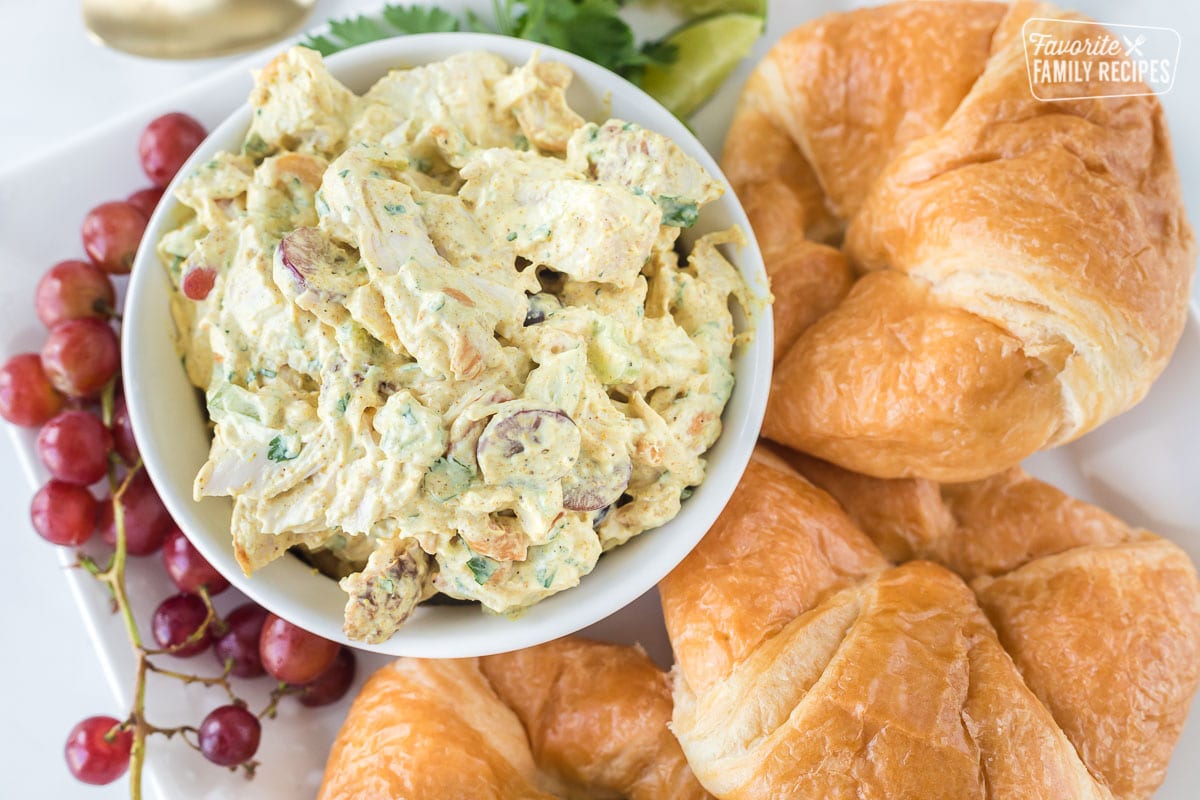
[
  {"x": 1059, "y": 662},
  {"x": 568, "y": 719},
  {"x": 1025, "y": 265}
]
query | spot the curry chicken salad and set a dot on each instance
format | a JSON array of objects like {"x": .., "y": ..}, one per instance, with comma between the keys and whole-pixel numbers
[{"x": 445, "y": 333}]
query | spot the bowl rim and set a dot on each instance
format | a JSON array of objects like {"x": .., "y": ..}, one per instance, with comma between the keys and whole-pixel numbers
[{"x": 556, "y": 615}]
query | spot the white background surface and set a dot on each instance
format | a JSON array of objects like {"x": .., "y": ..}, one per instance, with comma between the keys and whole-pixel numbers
[{"x": 54, "y": 85}]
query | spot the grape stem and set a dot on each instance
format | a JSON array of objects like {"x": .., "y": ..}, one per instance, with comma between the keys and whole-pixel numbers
[
  {"x": 281, "y": 691},
  {"x": 221, "y": 680},
  {"x": 112, "y": 577}
]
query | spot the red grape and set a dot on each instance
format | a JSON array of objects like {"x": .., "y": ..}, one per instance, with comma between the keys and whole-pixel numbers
[
  {"x": 122, "y": 432},
  {"x": 176, "y": 619},
  {"x": 27, "y": 397},
  {"x": 80, "y": 356},
  {"x": 187, "y": 567},
  {"x": 111, "y": 234},
  {"x": 74, "y": 447},
  {"x": 64, "y": 514},
  {"x": 93, "y": 755},
  {"x": 71, "y": 290},
  {"x": 238, "y": 645},
  {"x": 146, "y": 519},
  {"x": 146, "y": 200},
  {"x": 197, "y": 282},
  {"x": 166, "y": 144},
  {"x": 291, "y": 654},
  {"x": 332, "y": 684},
  {"x": 229, "y": 735}
]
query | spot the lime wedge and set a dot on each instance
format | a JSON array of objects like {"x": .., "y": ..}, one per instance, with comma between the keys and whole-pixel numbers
[
  {"x": 699, "y": 8},
  {"x": 707, "y": 51}
]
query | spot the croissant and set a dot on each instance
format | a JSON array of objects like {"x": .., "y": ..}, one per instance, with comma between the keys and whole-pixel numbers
[
  {"x": 572, "y": 718},
  {"x": 1025, "y": 265},
  {"x": 1058, "y": 662}
]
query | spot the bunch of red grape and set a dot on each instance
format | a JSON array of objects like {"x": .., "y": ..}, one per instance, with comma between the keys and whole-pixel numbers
[{"x": 59, "y": 389}]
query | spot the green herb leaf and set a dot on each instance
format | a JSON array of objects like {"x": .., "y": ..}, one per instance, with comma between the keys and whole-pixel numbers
[
  {"x": 475, "y": 24},
  {"x": 322, "y": 44},
  {"x": 277, "y": 450},
  {"x": 255, "y": 146},
  {"x": 342, "y": 402},
  {"x": 358, "y": 30},
  {"x": 546, "y": 579},
  {"x": 420, "y": 19},
  {"x": 677, "y": 211},
  {"x": 591, "y": 28},
  {"x": 482, "y": 568},
  {"x": 397, "y": 20}
]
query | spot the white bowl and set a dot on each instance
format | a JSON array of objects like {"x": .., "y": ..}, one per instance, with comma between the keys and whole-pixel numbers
[{"x": 169, "y": 421}]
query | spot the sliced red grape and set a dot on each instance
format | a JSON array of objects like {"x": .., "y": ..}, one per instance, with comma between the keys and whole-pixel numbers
[
  {"x": 197, "y": 282},
  {"x": 146, "y": 200},
  {"x": 72, "y": 290},
  {"x": 175, "y": 621},
  {"x": 74, "y": 447},
  {"x": 122, "y": 432},
  {"x": 467, "y": 428},
  {"x": 300, "y": 253},
  {"x": 97, "y": 753},
  {"x": 591, "y": 484},
  {"x": 321, "y": 277},
  {"x": 166, "y": 144},
  {"x": 80, "y": 356},
  {"x": 292, "y": 654},
  {"x": 229, "y": 735},
  {"x": 541, "y": 305},
  {"x": 527, "y": 446},
  {"x": 111, "y": 234},
  {"x": 238, "y": 645},
  {"x": 27, "y": 397},
  {"x": 64, "y": 514},
  {"x": 333, "y": 683},
  {"x": 187, "y": 568},
  {"x": 146, "y": 519}
]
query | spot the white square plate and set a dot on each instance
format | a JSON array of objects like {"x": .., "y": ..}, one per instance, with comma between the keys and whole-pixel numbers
[{"x": 1143, "y": 466}]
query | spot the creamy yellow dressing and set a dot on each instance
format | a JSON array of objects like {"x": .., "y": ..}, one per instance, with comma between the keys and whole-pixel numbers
[{"x": 450, "y": 340}]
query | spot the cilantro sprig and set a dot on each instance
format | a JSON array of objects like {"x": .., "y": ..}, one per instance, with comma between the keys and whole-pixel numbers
[
  {"x": 277, "y": 450},
  {"x": 592, "y": 29},
  {"x": 394, "y": 21}
]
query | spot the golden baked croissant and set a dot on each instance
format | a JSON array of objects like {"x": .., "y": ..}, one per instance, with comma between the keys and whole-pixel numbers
[
  {"x": 810, "y": 667},
  {"x": 571, "y": 718},
  {"x": 1026, "y": 264}
]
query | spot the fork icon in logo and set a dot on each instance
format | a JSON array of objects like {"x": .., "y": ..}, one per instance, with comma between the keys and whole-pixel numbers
[{"x": 1133, "y": 48}]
